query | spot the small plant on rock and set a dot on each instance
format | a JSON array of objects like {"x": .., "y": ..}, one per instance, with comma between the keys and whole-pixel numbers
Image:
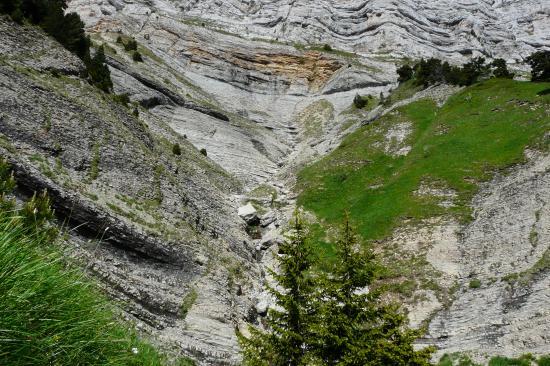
[{"x": 176, "y": 149}]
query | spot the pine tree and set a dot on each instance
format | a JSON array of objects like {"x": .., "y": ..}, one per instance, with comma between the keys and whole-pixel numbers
[
  {"x": 540, "y": 65},
  {"x": 287, "y": 341},
  {"x": 99, "y": 72},
  {"x": 405, "y": 73},
  {"x": 500, "y": 70},
  {"x": 354, "y": 326}
]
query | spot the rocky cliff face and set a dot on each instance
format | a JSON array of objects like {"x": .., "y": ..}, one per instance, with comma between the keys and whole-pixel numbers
[{"x": 250, "y": 82}]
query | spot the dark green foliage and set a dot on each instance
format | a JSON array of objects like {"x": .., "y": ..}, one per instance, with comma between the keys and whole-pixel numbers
[
  {"x": 500, "y": 70},
  {"x": 131, "y": 45},
  {"x": 67, "y": 29},
  {"x": 540, "y": 65},
  {"x": 287, "y": 342},
  {"x": 505, "y": 361},
  {"x": 405, "y": 73},
  {"x": 433, "y": 71},
  {"x": 135, "y": 112},
  {"x": 176, "y": 149},
  {"x": 330, "y": 318},
  {"x": 354, "y": 326},
  {"x": 544, "y": 361},
  {"x": 119, "y": 39},
  {"x": 327, "y": 47},
  {"x": 203, "y": 151},
  {"x": 360, "y": 102},
  {"x": 123, "y": 99},
  {"x": 136, "y": 56},
  {"x": 99, "y": 72}
]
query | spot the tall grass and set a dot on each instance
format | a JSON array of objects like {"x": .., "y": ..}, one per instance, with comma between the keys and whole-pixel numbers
[{"x": 50, "y": 313}]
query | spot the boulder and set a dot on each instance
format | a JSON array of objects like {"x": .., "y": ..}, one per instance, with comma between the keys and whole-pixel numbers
[
  {"x": 271, "y": 238},
  {"x": 249, "y": 214}
]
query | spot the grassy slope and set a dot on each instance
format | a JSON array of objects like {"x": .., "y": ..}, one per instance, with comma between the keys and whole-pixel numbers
[
  {"x": 50, "y": 314},
  {"x": 483, "y": 128}
]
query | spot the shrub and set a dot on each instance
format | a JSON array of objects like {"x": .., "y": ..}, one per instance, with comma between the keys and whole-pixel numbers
[
  {"x": 188, "y": 302},
  {"x": 119, "y": 39},
  {"x": 131, "y": 45},
  {"x": 544, "y": 361},
  {"x": 136, "y": 56},
  {"x": 505, "y": 361},
  {"x": 176, "y": 149},
  {"x": 540, "y": 65},
  {"x": 203, "y": 151},
  {"x": 405, "y": 73},
  {"x": 500, "y": 70},
  {"x": 475, "y": 283},
  {"x": 360, "y": 102},
  {"x": 327, "y": 48},
  {"x": 99, "y": 72},
  {"x": 123, "y": 99},
  {"x": 135, "y": 112}
]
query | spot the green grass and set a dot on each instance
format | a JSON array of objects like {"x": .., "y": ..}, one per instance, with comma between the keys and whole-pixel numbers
[
  {"x": 51, "y": 315},
  {"x": 505, "y": 361},
  {"x": 480, "y": 130},
  {"x": 525, "y": 277}
]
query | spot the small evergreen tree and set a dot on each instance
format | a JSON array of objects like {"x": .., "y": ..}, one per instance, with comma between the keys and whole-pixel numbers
[
  {"x": 405, "y": 73},
  {"x": 360, "y": 102},
  {"x": 287, "y": 341},
  {"x": 355, "y": 327},
  {"x": 131, "y": 45},
  {"x": 203, "y": 151},
  {"x": 99, "y": 72},
  {"x": 500, "y": 70},
  {"x": 136, "y": 56},
  {"x": 176, "y": 149},
  {"x": 540, "y": 65}
]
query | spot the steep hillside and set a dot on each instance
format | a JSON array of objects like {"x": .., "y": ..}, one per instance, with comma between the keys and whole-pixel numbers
[
  {"x": 469, "y": 262},
  {"x": 152, "y": 225}
]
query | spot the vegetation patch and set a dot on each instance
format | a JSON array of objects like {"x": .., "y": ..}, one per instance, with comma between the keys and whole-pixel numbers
[
  {"x": 313, "y": 118},
  {"x": 480, "y": 130},
  {"x": 188, "y": 302}
]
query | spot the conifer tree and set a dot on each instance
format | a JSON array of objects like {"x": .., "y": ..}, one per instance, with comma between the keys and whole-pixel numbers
[
  {"x": 354, "y": 326},
  {"x": 99, "y": 72},
  {"x": 287, "y": 341}
]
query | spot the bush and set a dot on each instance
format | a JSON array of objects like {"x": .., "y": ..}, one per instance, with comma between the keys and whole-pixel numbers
[
  {"x": 176, "y": 149},
  {"x": 119, "y": 39},
  {"x": 136, "y": 56},
  {"x": 131, "y": 45},
  {"x": 405, "y": 73},
  {"x": 475, "y": 283},
  {"x": 327, "y": 48},
  {"x": 360, "y": 102},
  {"x": 203, "y": 151},
  {"x": 500, "y": 70},
  {"x": 123, "y": 99},
  {"x": 540, "y": 65},
  {"x": 99, "y": 72}
]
